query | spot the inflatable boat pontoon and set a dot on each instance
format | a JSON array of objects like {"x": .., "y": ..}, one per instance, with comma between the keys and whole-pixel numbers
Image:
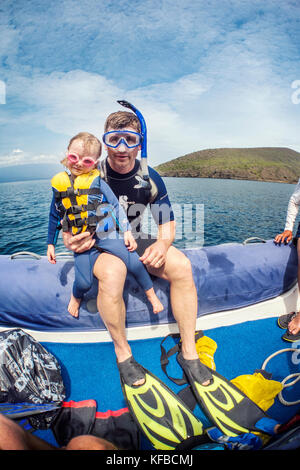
[{"x": 235, "y": 283}]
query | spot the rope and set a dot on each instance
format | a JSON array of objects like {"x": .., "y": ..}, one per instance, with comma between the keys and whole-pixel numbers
[{"x": 286, "y": 379}]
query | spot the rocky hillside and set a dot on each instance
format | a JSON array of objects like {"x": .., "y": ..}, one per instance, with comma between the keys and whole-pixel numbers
[{"x": 260, "y": 164}]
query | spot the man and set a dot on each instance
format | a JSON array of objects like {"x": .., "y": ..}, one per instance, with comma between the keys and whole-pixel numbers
[{"x": 121, "y": 172}]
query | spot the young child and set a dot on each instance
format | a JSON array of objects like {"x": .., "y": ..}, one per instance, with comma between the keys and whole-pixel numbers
[{"x": 83, "y": 201}]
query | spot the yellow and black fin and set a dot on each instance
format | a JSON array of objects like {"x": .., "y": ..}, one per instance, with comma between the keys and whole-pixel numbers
[
  {"x": 160, "y": 414},
  {"x": 222, "y": 402}
]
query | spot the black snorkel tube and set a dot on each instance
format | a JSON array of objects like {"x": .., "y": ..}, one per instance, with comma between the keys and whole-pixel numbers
[{"x": 144, "y": 163}]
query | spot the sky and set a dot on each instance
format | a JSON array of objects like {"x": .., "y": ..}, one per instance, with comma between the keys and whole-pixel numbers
[{"x": 204, "y": 73}]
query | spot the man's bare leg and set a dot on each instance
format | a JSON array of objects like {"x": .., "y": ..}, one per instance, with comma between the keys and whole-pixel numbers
[
  {"x": 88, "y": 442},
  {"x": 111, "y": 274},
  {"x": 13, "y": 437},
  {"x": 183, "y": 295}
]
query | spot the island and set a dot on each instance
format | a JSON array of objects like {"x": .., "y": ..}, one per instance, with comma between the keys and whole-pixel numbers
[{"x": 274, "y": 164}]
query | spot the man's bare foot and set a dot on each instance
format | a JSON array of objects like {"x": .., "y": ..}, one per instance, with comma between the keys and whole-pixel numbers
[
  {"x": 294, "y": 325},
  {"x": 154, "y": 300},
  {"x": 73, "y": 307}
]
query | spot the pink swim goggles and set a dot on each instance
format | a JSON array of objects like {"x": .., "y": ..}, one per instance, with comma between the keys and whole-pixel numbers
[{"x": 73, "y": 158}]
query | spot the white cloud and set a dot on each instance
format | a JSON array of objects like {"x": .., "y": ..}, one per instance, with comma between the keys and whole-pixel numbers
[
  {"x": 65, "y": 102},
  {"x": 9, "y": 40},
  {"x": 20, "y": 157},
  {"x": 204, "y": 74},
  {"x": 194, "y": 112}
]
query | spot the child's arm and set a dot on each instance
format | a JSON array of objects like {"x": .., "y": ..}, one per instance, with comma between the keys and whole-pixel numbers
[
  {"x": 53, "y": 227},
  {"x": 51, "y": 254},
  {"x": 130, "y": 241}
]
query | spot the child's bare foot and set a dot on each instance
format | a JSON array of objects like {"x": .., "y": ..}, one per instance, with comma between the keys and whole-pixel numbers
[
  {"x": 154, "y": 300},
  {"x": 73, "y": 307}
]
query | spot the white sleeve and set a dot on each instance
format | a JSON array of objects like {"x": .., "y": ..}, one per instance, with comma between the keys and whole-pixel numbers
[{"x": 293, "y": 208}]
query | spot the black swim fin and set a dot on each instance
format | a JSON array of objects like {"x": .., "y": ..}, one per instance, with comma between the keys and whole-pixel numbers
[
  {"x": 160, "y": 414},
  {"x": 222, "y": 402}
]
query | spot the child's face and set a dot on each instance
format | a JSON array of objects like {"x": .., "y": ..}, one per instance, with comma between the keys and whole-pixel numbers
[{"x": 77, "y": 149}]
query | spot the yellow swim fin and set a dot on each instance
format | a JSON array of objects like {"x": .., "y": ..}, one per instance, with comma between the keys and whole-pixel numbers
[
  {"x": 161, "y": 415},
  {"x": 222, "y": 402}
]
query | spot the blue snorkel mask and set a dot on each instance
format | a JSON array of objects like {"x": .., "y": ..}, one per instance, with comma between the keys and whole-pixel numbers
[{"x": 144, "y": 163}]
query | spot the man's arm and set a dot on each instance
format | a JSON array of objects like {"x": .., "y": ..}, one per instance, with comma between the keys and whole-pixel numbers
[
  {"x": 166, "y": 233},
  {"x": 161, "y": 209}
]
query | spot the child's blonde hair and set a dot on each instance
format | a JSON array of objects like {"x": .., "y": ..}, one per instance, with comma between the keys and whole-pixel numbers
[{"x": 90, "y": 143}]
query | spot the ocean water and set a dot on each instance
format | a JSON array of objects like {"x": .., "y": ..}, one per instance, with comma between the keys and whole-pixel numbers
[{"x": 208, "y": 212}]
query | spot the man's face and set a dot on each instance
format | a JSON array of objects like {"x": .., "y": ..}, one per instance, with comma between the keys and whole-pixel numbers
[{"x": 122, "y": 158}]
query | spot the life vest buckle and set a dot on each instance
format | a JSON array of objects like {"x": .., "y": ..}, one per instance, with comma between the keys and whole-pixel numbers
[
  {"x": 75, "y": 209},
  {"x": 78, "y": 222},
  {"x": 72, "y": 192}
]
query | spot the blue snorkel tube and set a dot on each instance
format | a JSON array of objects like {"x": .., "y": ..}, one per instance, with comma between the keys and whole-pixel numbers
[{"x": 144, "y": 163}]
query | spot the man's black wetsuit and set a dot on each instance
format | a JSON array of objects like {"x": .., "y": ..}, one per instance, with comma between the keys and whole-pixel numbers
[{"x": 134, "y": 199}]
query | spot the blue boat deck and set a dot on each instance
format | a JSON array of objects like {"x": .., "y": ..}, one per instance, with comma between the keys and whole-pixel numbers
[{"x": 90, "y": 372}]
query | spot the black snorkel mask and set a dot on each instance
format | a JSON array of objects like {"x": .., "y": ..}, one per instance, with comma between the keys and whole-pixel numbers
[{"x": 144, "y": 163}]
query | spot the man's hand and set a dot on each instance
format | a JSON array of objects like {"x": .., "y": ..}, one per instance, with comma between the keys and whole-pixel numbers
[
  {"x": 155, "y": 255},
  {"x": 130, "y": 241},
  {"x": 79, "y": 243},
  {"x": 284, "y": 237}
]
